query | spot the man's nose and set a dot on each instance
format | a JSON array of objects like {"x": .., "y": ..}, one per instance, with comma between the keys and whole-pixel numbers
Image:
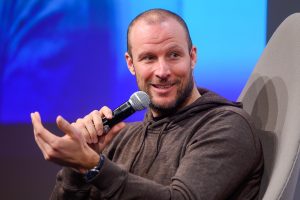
[{"x": 162, "y": 69}]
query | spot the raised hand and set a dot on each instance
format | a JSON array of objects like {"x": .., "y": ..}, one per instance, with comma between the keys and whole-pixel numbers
[{"x": 69, "y": 150}]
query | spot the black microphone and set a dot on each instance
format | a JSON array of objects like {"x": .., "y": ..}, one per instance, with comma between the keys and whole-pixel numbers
[{"x": 137, "y": 101}]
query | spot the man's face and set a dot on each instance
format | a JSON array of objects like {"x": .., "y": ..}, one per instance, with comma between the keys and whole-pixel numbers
[{"x": 162, "y": 63}]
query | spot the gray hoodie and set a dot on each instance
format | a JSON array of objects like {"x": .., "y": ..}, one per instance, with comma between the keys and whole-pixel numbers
[{"x": 207, "y": 150}]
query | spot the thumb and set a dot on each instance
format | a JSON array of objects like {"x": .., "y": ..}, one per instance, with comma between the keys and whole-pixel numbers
[
  {"x": 65, "y": 126},
  {"x": 115, "y": 130}
]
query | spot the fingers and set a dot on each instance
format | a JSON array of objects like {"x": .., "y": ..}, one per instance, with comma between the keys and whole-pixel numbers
[
  {"x": 36, "y": 121},
  {"x": 65, "y": 126},
  {"x": 37, "y": 126},
  {"x": 106, "y": 112},
  {"x": 70, "y": 150},
  {"x": 91, "y": 126},
  {"x": 97, "y": 121},
  {"x": 87, "y": 129},
  {"x": 80, "y": 126},
  {"x": 98, "y": 116},
  {"x": 42, "y": 134}
]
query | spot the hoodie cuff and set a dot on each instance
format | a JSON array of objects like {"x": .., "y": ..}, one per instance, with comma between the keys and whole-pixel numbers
[
  {"x": 72, "y": 180},
  {"x": 110, "y": 177}
]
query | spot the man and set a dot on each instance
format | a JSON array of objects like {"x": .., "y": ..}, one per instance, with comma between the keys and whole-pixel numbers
[{"x": 192, "y": 144}]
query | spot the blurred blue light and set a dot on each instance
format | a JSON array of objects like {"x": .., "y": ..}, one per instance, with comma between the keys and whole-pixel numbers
[{"x": 67, "y": 57}]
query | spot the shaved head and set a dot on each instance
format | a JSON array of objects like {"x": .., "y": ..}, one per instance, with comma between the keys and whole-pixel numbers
[{"x": 157, "y": 16}]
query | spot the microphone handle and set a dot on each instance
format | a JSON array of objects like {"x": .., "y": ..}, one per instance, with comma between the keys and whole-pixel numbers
[{"x": 119, "y": 114}]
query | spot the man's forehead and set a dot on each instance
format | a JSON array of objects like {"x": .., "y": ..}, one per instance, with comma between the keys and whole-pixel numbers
[
  {"x": 153, "y": 18},
  {"x": 142, "y": 27},
  {"x": 152, "y": 22}
]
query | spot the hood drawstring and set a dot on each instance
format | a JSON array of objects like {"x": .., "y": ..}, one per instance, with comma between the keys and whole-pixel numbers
[
  {"x": 157, "y": 147},
  {"x": 144, "y": 132}
]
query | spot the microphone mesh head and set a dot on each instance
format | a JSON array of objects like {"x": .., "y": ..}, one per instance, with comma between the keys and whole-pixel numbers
[{"x": 139, "y": 100}]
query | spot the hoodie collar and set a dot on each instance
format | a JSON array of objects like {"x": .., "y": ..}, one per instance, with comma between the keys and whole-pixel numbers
[{"x": 207, "y": 100}]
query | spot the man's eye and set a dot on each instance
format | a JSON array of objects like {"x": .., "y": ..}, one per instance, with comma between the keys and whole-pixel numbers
[
  {"x": 174, "y": 55},
  {"x": 148, "y": 58}
]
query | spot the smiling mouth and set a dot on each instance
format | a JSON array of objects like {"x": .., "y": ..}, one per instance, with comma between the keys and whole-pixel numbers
[{"x": 162, "y": 86}]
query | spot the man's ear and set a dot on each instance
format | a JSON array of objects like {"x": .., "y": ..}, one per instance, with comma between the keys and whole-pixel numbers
[
  {"x": 193, "y": 55},
  {"x": 129, "y": 62}
]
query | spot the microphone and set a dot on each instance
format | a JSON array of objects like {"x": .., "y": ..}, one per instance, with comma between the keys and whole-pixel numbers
[{"x": 137, "y": 101}]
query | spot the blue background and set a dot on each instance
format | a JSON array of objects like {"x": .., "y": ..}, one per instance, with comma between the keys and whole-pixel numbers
[{"x": 67, "y": 57}]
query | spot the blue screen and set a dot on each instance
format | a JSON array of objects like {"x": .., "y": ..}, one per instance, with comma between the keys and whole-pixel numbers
[{"x": 67, "y": 57}]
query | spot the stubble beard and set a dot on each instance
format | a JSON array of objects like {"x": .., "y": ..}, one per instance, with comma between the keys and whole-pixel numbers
[{"x": 182, "y": 95}]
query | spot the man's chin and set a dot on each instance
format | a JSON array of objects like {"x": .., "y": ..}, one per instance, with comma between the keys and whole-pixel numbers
[
  {"x": 163, "y": 103},
  {"x": 163, "y": 108}
]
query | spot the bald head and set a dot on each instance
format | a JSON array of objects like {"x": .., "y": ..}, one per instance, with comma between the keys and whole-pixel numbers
[{"x": 156, "y": 16}]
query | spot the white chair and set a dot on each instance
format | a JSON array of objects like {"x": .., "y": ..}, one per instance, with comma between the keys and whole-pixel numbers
[{"x": 272, "y": 97}]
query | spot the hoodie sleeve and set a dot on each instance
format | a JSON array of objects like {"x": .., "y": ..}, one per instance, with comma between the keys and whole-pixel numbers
[{"x": 70, "y": 185}]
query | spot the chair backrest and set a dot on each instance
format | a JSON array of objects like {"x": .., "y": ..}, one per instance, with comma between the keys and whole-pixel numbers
[{"x": 272, "y": 97}]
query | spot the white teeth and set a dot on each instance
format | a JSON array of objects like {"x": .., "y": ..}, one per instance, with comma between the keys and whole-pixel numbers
[{"x": 163, "y": 86}]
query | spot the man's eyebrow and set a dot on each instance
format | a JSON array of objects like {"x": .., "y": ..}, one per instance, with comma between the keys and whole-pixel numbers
[
  {"x": 176, "y": 48},
  {"x": 145, "y": 53}
]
